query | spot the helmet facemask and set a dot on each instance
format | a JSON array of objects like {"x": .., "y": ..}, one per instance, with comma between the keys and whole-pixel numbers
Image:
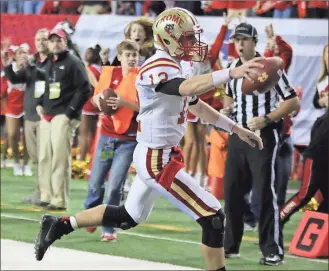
[{"x": 193, "y": 49}]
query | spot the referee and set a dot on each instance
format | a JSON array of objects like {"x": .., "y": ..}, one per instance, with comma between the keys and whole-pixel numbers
[{"x": 246, "y": 166}]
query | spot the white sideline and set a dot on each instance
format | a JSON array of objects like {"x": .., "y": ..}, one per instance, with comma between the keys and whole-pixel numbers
[
  {"x": 19, "y": 256},
  {"x": 165, "y": 239}
]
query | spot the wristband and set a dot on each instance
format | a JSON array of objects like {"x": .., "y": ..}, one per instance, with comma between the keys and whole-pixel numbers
[
  {"x": 267, "y": 120},
  {"x": 225, "y": 123},
  {"x": 220, "y": 77}
]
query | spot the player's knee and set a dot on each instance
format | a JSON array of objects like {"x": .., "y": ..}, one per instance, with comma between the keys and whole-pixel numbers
[
  {"x": 118, "y": 217},
  {"x": 213, "y": 229}
]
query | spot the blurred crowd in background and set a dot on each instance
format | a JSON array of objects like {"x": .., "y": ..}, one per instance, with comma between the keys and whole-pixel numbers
[{"x": 274, "y": 8}]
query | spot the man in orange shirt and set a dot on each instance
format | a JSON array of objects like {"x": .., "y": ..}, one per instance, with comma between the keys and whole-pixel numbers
[{"x": 117, "y": 142}]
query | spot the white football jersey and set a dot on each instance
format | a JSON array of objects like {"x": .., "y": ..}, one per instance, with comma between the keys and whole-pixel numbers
[
  {"x": 162, "y": 117},
  {"x": 195, "y": 68}
]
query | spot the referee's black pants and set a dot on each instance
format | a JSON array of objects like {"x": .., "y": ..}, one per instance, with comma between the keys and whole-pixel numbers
[{"x": 247, "y": 167}]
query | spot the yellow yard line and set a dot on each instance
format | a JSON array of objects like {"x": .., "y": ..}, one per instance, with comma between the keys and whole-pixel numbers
[
  {"x": 165, "y": 227},
  {"x": 28, "y": 208}
]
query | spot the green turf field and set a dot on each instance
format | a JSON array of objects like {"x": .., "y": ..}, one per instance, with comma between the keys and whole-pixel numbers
[{"x": 169, "y": 236}]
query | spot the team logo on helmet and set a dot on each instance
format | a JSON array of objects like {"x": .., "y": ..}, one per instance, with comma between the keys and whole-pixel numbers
[{"x": 169, "y": 28}]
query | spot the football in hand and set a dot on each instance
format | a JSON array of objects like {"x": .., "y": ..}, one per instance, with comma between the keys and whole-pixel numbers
[
  {"x": 269, "y": 76},
  {"x": 108, "y": 110}
]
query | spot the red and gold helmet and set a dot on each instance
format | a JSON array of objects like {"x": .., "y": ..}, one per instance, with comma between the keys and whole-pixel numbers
[{"x": 177, "y": 32}]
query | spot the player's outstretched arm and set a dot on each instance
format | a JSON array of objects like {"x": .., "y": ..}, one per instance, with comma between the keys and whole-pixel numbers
[
  {"x": 202, "y": 83},
  {"x": 210, "y": 115}
]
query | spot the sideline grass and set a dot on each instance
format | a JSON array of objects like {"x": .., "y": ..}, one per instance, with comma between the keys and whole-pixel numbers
[{"x": 184, "y": 254}]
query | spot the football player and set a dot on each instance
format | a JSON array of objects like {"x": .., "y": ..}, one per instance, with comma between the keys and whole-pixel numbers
[{"x": 164, "y": 97}]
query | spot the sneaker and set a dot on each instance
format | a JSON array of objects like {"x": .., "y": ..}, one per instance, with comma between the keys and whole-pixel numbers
[
  {"x": 108, "y": 237},
  {"x": 91, "y": 229},
  {"x": 40, "y": 203},
  {"x": 230, "y": 255},
  {"x": 249, "y": 228},
  {"x": 18, "y": 171},
  {"x": 52, "y": 228},
  {"x": 27, "y": 171},
  {"x": 272, "y": 260}
]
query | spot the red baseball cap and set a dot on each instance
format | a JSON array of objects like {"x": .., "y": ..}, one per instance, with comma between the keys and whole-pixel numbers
[{"x": 58, "y": 32}]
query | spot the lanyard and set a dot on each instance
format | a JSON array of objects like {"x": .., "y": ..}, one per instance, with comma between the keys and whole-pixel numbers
[{"x": 53, "y": 73}]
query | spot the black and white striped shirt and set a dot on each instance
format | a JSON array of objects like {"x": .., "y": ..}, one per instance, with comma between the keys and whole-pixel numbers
[{"x": 246, "y": 107}]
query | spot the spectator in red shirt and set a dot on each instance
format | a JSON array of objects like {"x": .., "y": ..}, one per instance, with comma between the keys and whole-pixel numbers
[
  {"x": 87, "y": 128},
  {"x": 277, "y": 46},
  {"x": 282, "y": 9},
  {"x": 240, "y": 7},
  {"x": 14, "y": 107},
  {"x": 94, "y": 7},
  {"x": 60, "y": 7},
  {"x": 317, "y": 9},
  {"x": 265, "y": 8},
  {"x": 216, "y": 8},
  {"x": 3, "y": 102}
]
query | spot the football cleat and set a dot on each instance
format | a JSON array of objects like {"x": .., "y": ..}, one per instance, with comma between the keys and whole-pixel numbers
[{"x": 51, "y": 229}]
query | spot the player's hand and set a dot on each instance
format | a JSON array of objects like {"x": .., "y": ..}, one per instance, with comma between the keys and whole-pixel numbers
[
  {"x": 39, "y": 110},
  {"x": 248, "y": 136},
  {"x": 114, "y": 102},
  {"x": 5, "y": 58},
  {"x": 228, "y": 19},
  {"x": 5, "y": 44},
  {"x": 271, "y": 44},
  {"x": 256, "y": 123},
  {"x": 227, "y": 111},
  {"x": 22, "y": 61},
  {"x": 269, "y": 31},
  {"x": 96, "y": 100},
  {"x": 248, "y": 68},
  {"x": 242, "y": 19}
]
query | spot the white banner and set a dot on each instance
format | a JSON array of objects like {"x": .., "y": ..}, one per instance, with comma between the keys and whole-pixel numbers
[{"x": 307, "y": 38}]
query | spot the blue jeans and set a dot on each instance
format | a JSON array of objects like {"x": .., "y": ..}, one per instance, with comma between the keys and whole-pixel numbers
[
  {"x": 4, "y": 6},
  {"x": 284, "y": 166},
  {"x": 139, "y": 8},
  {"x": 111, "y": 154},
  {"x": 14, "y": 6},
  {"x": 32, "y": 7},
  {"x": 284, "y": 14}
]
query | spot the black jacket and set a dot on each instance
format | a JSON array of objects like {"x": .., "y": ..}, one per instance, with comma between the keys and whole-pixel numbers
[
  {"x": 69, "y": 73},
  {"x": 29, "y": 75}
]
